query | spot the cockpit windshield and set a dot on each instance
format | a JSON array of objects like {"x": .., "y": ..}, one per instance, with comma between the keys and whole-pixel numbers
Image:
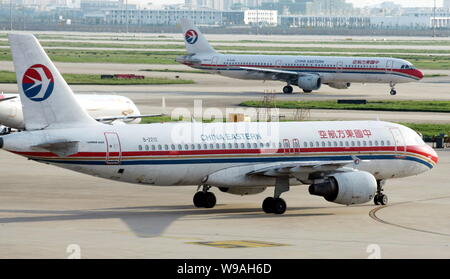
[{"x": 406, "y": 66}]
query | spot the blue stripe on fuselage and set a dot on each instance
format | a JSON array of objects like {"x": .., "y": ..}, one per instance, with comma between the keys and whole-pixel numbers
[{"x": 176, "y": 161}]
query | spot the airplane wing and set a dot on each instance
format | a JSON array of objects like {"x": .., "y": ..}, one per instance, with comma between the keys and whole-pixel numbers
[
  {"x": 296, "y": 168},
  {"x": 279, "y": 74},
  {"x": 125, "y": 117}
]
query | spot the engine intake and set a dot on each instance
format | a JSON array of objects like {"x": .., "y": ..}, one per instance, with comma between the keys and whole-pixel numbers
[
  {"x": 346, "y": 188},
  {"x": 309, "y": 82}
]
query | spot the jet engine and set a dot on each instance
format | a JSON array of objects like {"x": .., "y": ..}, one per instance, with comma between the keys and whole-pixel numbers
[
  {"x": 346, "y": 188},
  {"x": 339, "y": 85},
  {"x": 243, "y": 190},
  {"x": 309, "y": 82}
]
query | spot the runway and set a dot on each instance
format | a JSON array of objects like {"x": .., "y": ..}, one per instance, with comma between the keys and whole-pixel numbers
[{"x": 44, "y": 209}]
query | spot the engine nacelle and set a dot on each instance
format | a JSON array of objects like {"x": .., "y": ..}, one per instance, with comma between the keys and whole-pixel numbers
[
  {"x": 339, "y": 85},
  {"x": 346, "y": 188},
  {"x": 243, "y": 190},
  {"x": 309, "y": 82}
]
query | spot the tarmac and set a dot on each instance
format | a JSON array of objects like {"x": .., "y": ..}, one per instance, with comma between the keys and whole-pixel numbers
[{"x": 46, "y": 211}]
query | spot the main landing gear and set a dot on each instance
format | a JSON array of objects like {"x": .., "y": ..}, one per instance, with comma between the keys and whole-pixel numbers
[
  {"x": 380, "y": 198},
  {"x": 288, "y": 89},
  {"x": 393, "y": 91},
  {"x": 204, "y": 198},
  {"x": 276, "y": 204}
]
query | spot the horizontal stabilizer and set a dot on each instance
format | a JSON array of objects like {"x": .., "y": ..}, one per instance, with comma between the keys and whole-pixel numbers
[{"x": 60, "y": 148}]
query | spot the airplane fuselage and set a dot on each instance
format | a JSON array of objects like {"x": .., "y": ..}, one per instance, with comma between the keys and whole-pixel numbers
[
  {"x": 186, "y": 153},
  {"x": 331, "y": 69}
]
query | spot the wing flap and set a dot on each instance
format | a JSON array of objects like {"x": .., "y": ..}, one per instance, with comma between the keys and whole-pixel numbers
[{"x": 293, "y": 168}]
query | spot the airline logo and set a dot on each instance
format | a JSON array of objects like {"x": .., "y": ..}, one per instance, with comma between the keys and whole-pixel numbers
[
  {"x": 191, "y": 36},
  {"x": 38, "y": 83}
]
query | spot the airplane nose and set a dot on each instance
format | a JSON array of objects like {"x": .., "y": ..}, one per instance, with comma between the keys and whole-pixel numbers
[
  {"x": 432, "y": 154},
  {"x": 419, "y": 74}
]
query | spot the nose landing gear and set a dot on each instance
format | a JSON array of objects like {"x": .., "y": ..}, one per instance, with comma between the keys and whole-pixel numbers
[{"x": 393, "y": 91}]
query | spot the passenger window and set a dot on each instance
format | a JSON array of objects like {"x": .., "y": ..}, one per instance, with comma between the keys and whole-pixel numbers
[
  {"x": 255, "y": 145},
  {"x": 172, "y": 147},
  {"x": 186, "y": 147},
  {"x": 353, "y": 143},
  {"x": 346, "y": 144},
  {"x": 370, "y": 143},
  {"x": 193, "y": 146},
  {"x": 305, "y": 144},
  {"x": 242, "y": 145},
  {"x": 211, "y": 146},
  {"x": 311, "y": 144},
  {"x": 388, "y": 143},
  {"x": 140, "y": 147},
  {"x": 335, "y": 144},
  {"x": 217, "y": 146},
  {"x": 376, "y": 143},
  {"x": 147, "y": 147},
  {"x": 230, "y": 146},
  {"x": 205, "y": 146},
  {"x": 249, "y": 145},
  {"x": 159, "y": 147},
  {"x": 317, "y": 144},
  {"x": 224, "y": 146},
  {"x": 358, "y": 143},
  {"x": 236, "y": 145},
  {"x": 323, "y": 144},
  {"x": 180, "y": 147},
  {"x": 382, "y": 143},
  {"x": 153, "y": 147},
  {"x": 166, "y": 147}
]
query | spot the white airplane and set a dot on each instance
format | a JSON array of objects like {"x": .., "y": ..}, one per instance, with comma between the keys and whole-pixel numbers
[
  {"x": 306, "y": 72},
  {"x": 104, "y": 108},
  {"x": 346, "y": 162}
]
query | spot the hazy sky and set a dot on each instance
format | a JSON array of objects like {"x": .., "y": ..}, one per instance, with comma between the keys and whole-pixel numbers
[{"x": 357, "y": 3}]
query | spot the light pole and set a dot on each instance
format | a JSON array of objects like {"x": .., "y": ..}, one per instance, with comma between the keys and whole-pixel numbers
[
  {"x": 434, "y": 19},
  {"x": 126, "y": 14},
  {"x": 10, "y": 15}
]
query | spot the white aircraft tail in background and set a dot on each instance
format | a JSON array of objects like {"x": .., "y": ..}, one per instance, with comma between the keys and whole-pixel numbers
[{"x": 194, "y": 40}]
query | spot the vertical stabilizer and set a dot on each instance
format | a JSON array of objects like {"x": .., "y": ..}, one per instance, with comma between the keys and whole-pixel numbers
[
  {"x": 47, "y": 100},
  {"x": 194, "y": 40}
]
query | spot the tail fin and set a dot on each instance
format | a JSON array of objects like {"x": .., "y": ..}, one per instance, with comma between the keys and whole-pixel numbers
[
  {"x": 194, "y": 40},
  {"x": 47, "y": 100}
]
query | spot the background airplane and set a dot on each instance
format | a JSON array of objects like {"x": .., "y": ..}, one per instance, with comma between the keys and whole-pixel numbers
[
  {"x": 345, "y": 162},
  {"x": 104, "y": 108},
  {"x": 306, "y": 72}
]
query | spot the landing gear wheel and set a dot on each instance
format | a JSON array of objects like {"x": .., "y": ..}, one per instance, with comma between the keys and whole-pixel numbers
[
  {"x": 268, "y": 205},
  {"x": 288, "y": 89},
  {"x": 380, "y": 199},
  {"x": 280, "y": 206},
  {"x": 199, "y": 199},
  {"x": 393, "y": 92},
  {"x": 210, "y": 200}
]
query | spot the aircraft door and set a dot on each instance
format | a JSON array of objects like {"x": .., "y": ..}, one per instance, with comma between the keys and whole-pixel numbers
[
  {"x": 296, "y": 145},
  {"x": 389, "y": 66},
  {"x": 113, "y": 148},
  {"x": 215, "y": 60},
  {"x": 399, "y": 141},
  {"x": 278, "y": 64},
  {"x": 287, "y": 146},
  {"x": 339, "y": 66}
]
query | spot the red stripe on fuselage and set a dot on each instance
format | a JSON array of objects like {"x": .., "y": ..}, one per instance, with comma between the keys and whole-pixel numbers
[{"x": 423, "y": 150}]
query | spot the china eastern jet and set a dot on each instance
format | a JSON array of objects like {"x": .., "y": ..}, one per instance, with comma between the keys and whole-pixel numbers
[
  {"x": 306, "y": 72},
  {"x": 346, "y": 162}
]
